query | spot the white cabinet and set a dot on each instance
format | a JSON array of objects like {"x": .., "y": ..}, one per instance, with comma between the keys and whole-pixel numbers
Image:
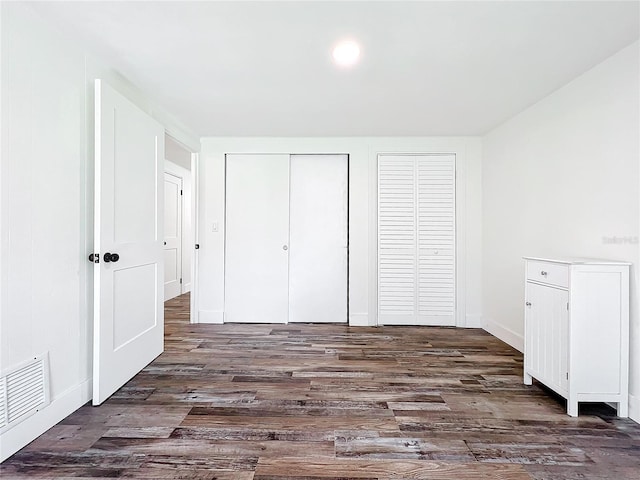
[{"x": 577, "y": 329}]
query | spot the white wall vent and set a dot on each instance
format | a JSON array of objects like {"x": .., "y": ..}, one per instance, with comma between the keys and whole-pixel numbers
[
  {"x": 24, "y": 390},
  {"x": 3, "y": 403}
]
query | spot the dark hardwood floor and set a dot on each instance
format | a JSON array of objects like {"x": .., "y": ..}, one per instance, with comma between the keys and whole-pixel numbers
[{"x": 311, "y": 402}]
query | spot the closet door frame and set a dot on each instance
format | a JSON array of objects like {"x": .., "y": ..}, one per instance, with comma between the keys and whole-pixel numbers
[{"x": 460, "y": 312}]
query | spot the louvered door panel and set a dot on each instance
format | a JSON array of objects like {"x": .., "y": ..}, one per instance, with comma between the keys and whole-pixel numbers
[
  {"x": 436, "y": 239},
  {"x": 396, "y": 239},
  {"x": 416, "y": 239}
]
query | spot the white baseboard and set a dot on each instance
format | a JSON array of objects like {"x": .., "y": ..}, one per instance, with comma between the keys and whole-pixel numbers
[
  {"x": 473, "y": 320},
  {"x": 505, "y": 334},
  {"x": 359, "y": 320},
  {"x": 634, "y": 408},
  {"x": 211, "y": 316},
  {"x": 28, "y": 430},
  {"x": 217, "y": 317}
]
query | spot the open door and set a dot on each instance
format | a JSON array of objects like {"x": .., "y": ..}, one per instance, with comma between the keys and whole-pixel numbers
[{"x": 128, "y": 259}]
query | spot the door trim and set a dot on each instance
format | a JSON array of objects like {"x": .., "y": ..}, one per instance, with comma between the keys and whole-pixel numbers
[
  {"x": 188, "y": 248},
  {"x": 195, "y": 238}
]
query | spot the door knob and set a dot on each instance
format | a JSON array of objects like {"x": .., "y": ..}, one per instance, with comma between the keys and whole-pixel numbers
[
  {"x": 111, "y": 257},
  {"x": 284, "y": 247}
]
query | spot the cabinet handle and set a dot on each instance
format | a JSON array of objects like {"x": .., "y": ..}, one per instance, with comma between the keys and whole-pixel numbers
[
  {"x": 543, "y": 273},
  {"x": 528, "y": 304}
]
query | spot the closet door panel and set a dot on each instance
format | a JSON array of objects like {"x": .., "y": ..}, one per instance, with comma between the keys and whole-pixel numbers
[
  {"x": 257, "y": 238},
  {"x": 436, "y": 239},
  {"x": 396, "y": 240},
  {"x": 318, "y": 238}
]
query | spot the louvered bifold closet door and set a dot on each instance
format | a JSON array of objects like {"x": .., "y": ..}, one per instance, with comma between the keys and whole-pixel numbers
[
  {"x": 416, "y": 239},
  {"x": 436, "y": 239}
]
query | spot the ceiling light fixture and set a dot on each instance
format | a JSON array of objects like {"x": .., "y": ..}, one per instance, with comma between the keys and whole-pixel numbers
[{"x": 346, "y": 53}]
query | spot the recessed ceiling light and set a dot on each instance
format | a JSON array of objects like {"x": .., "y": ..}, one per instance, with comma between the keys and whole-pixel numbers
[{"x": 346, "y": 53}]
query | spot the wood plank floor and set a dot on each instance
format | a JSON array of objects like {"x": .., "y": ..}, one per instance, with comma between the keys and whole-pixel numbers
[{"x": 314, "y": 402}]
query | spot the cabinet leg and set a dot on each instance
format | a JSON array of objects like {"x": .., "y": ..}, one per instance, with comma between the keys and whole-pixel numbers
[
  {"x": 528, "y": 379},
  {"x": 623, "y": 409}
]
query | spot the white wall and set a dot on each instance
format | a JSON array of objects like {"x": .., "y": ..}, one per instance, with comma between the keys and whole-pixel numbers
[
  {"x": 46, "y": 208},
  {"x": 43, "y": 219},
  {"x": 177, "y": 153},
  {"x": 561, "y": 178},
  {"x": 362, "y": 215}
]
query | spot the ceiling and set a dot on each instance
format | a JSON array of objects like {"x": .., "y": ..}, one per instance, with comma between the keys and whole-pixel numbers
[{"x": 427, "y": 68}]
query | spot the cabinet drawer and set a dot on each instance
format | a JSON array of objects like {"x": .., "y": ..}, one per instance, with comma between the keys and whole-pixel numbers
[{"x": 551, "y": 273}]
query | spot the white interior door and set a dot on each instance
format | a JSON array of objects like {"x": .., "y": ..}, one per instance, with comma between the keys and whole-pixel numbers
[
  {"x": 318, "y": 238},
  {"x": 416, "y": 240},
  {"x": 172, "y": 236},
  {"x": 128, "y": 288},
  {"x": 257, "y": 238}
]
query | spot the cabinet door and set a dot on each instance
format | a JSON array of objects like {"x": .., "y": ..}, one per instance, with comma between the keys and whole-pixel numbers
[{"x": 546, "y": 335}]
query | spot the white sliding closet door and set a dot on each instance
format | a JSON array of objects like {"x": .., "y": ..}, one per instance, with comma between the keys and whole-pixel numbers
[
  {"x": 257, "y": 238},
  {"x": 318, "y": 238},
  {"x": 286, "y": 238},
  {"x": 416, "y": 239}
]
